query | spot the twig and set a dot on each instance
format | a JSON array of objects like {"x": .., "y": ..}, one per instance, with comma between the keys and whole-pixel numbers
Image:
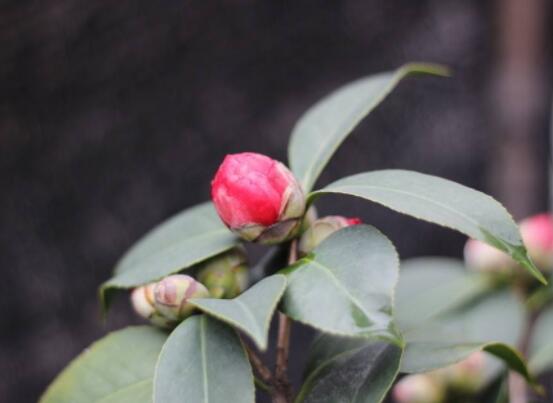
[
  {"x": 257, "y": 363},
  {"x": 282, "y": 388}
]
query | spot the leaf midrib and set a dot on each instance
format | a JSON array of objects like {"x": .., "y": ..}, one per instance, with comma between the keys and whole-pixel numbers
[
  {"x": 123, "y": 389},
  {"x": 336, "y": 281},
  {"x": 204, "y": 359},
  {"x": 344, "y": 189}
]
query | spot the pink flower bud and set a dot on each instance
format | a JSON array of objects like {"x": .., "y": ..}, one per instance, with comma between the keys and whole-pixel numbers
[
  {"x": 419, "y": 388},
  {"x": 142, "y": 299},
  {"x": 467, "y": 376},
  {"x": 482, "y": 257},
  {"x": 258, "y": 198},
  {"x": 321, "y": 229},
  {"x": 171, "y": 296},
  {"x": 537, "y": 233}
]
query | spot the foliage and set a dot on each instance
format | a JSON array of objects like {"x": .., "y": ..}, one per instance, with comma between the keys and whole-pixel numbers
[{"x": 375, "y": 320}]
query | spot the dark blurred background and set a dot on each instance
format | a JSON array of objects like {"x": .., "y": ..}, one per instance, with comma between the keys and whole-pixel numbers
[{"x": 115, "y": 114}]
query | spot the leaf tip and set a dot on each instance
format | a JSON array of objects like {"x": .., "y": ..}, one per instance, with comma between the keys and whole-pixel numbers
[{"x": 427, "y": 68}]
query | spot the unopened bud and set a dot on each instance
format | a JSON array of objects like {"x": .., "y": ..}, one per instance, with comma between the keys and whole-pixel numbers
[
  {"x": 142, "y": 299},
  {"x": 419, "y": 388},
  {"x": 226, "y": 275},
  {"x": 321, "y": 229},
  {"x": 171, "y": 296},
  {"x": 482, "y": 257},
  {"x": 468, "y": 376},
  {"x": 258, "y": 198},
  {"x": 537, "y": 234}
]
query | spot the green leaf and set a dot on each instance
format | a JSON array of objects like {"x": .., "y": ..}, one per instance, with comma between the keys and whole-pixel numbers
[
  {"x": 442, "y": 202},
  {"x": 346, "y": 285},
  {"x": 431, "y": 286},
  {"x": 541, "y": 342},
  {"x": 203, "y": 361},
  {"x": 178, "y": 243},
  {"x": 251, "y": 311},
  {"x": 322, "y": 129},
  {"x": 345, "y": 369},
  {"x": 116, "y": 369},
  {"x": 492, "y": 323}
]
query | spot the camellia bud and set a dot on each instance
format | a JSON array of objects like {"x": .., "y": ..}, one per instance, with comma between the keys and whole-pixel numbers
[
  {"x": 226, "y": 275},
  {"x": 258, "y": 198},
  {"x": 467, "y": 376},
  {"x": 142, "y": 299},
  {"x": 321, "y": 229},
  {"x": 419, "y": 388},
  {"x": 485, "y": 258},
  {"x": 537, "y": 234},
  {"x": 171, "y": 296}
]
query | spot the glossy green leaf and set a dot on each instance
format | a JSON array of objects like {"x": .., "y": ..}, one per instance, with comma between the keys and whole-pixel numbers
[
  {"x": 541, "y": 342},
  {"x": 251, "y": 311},
  {"x": 116, "y": 369},
  {"x": 346, "y": 369},
  {"x": 322, "y": 129},
  {"x": 178, "y": 243},
  {"x": 346, "y": 285},
  {"x": 203, "y": 361},
  {"x": 492, "y": 323},
  {"x": 442, "y": 202},
  {"x": 430, "y": 286}
]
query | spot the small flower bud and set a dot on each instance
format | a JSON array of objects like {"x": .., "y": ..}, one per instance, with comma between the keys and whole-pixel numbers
[
  {"x": 419, "y": 388},
  {"x": 258, "y": 198},
  {"x": 537, "y": 234},
  {"x": 226, "y": 275},
  {"x": 142, "y": 299},
  {"x": 485, "y": 258},
  {"x": 467, "y": 376},
  {"x": 321, "y": 229},
  {"x": 171, "y": 296}
]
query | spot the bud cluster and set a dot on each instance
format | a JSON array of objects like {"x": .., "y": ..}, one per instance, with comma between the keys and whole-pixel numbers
[
  {"x": 464, "y": 379},
  {"x": 166, "y": 303}
]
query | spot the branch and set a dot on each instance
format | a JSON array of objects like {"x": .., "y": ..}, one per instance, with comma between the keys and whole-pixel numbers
[{"x": 282, "y": 388}]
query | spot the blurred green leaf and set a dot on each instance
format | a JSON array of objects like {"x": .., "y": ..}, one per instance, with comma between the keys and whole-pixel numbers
[
  {"x": 322, "y": 129},
  {"x": 203, "y": 361},
  {"x": 116, "y": 369},
  {"x": 431, "y": 286},
  {"x": 493, "y": 323},
  {"x": 346, "y": 285},
  {"x": 178, "y": 243},
  {"x": 442, "y": 202},
  {"x": 346, "y": 369},
  {"x": 541, "y": 342},
  {"x": 251, "y": 311}
]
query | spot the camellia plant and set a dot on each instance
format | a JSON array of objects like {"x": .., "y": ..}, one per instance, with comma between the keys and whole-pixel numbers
[{"x": 209, "y": 313}]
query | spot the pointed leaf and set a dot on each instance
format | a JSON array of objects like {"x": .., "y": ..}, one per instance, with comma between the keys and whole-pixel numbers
[
  {"x": 442, "y": 202},
  {"x": 322, "y": 129},
  {"x": 116, "y": 369},
  {"x": 203, "y": 361},
  {"x": 541, "y": 342},
  {"x": 251, "y": 311},
  {"x": 345, "y": 369},
  {"x": 178, "y": 243},
  {"x": 346, "y": 285}
]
